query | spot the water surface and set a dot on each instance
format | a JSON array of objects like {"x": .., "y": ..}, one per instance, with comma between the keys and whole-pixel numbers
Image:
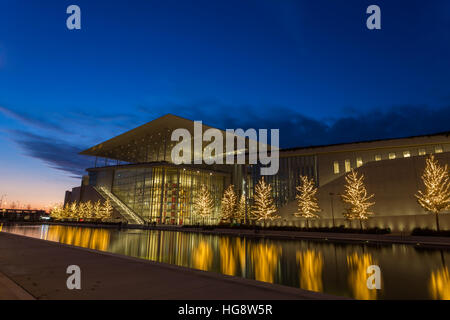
[{"x": 407, "y": 272}]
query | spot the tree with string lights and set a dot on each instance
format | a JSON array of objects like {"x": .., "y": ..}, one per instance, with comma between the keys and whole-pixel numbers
[
  {"x": 107, "y": 210},
  {"x": 264, "y": 207},
  {"x": 57, "y": 212},
  {"x": 436, "y": 196},
  {"x": 307, "y": 203},
  {"x": 88, "y": 210},
  {"x": 203, "y": 202},
  {"x": 356, "y": 198},
  {"x": 74, "y": 212},
  {"x": 66, "y": 213},
  {"x": 229, "y": 204},
  {"x": 83, "y": 210},
  {"x": 240, "y": 211},
  {"x": 97, "y": 210}
]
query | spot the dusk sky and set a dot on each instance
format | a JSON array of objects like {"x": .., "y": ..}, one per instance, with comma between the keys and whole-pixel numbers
[{"x": 310, "y": 68}]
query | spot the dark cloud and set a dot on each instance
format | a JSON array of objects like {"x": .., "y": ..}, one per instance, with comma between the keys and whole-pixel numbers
[
  {"x": 55, "y": 153},
  {"x": 31, "y": 120},
  {"x": 297, "y": 130}
]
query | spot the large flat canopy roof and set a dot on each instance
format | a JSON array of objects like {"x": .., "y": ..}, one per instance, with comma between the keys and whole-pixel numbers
[{"x": 149, "y": 142}]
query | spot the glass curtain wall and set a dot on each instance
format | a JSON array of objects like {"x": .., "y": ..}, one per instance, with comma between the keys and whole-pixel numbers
[
  {"x": 167, "y": 194},
  {"x": 284, "y": 183}
]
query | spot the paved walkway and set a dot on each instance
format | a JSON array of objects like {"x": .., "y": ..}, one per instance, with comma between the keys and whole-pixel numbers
[
  {"x": 38, "y": 268},
  {"x": 9, "y": 290}
]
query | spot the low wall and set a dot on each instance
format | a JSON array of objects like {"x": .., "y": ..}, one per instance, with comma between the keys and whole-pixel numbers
[{"x": 395, "y": 223}]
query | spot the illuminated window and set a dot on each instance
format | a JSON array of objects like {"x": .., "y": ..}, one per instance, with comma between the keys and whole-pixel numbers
[
  {"x": 406, "y": 154},
  {"x": 359, "y": 162},
  {"x": 422, "y": 152},
  {"x": 391, "y": 155},
  {"x": 347, "y": 166},
  {"x": 377, "y": 157},
  {"x": 438, "y": 149},
  {"x": 336, "y": 167}
]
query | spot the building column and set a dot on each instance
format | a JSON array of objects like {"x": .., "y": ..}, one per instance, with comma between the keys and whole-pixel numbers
[{"x": 162, "y": 194}]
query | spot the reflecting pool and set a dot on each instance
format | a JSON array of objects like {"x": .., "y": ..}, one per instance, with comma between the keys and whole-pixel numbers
[{"x": 407, "y": 272}]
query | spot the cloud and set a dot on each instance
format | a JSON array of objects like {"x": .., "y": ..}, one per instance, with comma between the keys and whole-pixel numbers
[
  {"x": 30, "y": 120},
  {"x": 298, "y": 130},
  {"x": 57, "y": 154}
]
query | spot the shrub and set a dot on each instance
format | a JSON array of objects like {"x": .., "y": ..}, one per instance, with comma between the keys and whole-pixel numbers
[{"x": 430, "y": 232}]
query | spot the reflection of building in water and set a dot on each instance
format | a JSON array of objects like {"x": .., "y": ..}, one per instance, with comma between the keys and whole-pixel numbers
[
  {"x": 92, "y": 238},
  {"x": 232, "y": 255},
  {"x": 137, "y": 243},
  {"x": 169, "y": 247},
  {"x": 440, "y": 284},
  {"x": 265, "y": 259},
  {"x": 357, "y": 277},
  {"x": 202, "y": 256},
  {"x": 311, "y": 265},
  {"x": 228, "y": 259},
  {"x": 241, "y": 245}
]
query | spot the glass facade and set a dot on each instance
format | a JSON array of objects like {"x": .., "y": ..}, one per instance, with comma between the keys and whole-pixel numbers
[
  {"x": 347, "y": 165},
  {"x": 359, "y": 162},
  {"x": 284, "y": 183},
  {"x": 336, "y": 167},
  {"x": 165, "y": 194}
]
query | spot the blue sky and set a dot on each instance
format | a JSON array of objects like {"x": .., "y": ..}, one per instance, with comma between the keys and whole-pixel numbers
[{"x": 310, "y": 68}]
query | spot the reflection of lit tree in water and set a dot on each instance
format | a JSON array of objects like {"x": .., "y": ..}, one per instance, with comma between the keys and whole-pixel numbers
[
  {"x": 96, "y": 239},
  {"x": 242, "y": 251},
  {"x": 311, "y": 265},
  {"x": 203, "y": 203},
  {"x": 227, "y": 257},
  {"x": 357, "y": 278},
  {"x": 203, "y": 256},
  {"x": 440, "y": 284},
  {"x": 265, "y": 261},
  {"x": 232, "y": 252}
]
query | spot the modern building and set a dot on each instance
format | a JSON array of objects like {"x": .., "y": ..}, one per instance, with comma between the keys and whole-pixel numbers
[{"x": 135, "y": 171}]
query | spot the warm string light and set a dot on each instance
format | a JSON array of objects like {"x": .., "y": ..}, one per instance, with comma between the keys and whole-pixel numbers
[
  {"x": 307, "y": 203},
  {"x": 203, "y": 203},
  {"x": 240, "y": 212},
  {"x": 107, "y": 210},
  {"x": 229, "y": 205},
  {"x": 436, "y": 196},
  {"x": 264, "y": 208},
  {"x": 83, "y": 210},
  {"x": 356, "y": 196}
]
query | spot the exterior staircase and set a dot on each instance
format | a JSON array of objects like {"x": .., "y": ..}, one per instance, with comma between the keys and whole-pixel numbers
[{"x": 117, "y": 204}]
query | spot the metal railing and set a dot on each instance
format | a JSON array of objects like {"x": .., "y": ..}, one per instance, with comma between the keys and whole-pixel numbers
[{"x": 124, "y": 210}]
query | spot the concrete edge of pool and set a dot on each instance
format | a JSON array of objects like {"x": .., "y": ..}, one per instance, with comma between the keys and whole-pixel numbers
[{"x": 39, "y": 268}]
